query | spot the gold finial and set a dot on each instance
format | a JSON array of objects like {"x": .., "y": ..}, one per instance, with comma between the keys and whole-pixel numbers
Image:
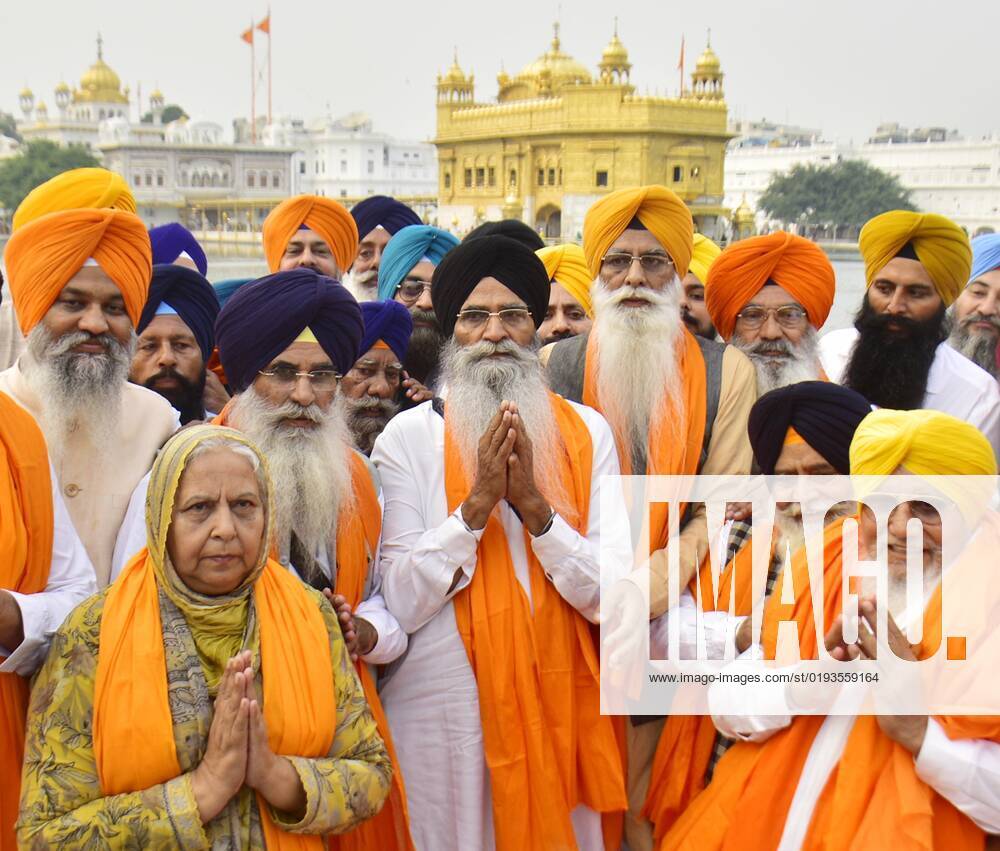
[
  {"x": 616, "y": 26},
  {"x": 100, "y": 47},
  {"x": 555, "y": 37},
  {"x": 709, "y": 36}
]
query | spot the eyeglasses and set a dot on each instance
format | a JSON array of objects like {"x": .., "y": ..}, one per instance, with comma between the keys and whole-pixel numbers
[
  {"x": 652, "y": 264},
  {"x": 788, "y": 315},
  {"x": 286, "y": 376},
  {"x": 513, "y": 318},
  {"x": 411, "y": 289},
  {"x": 364, "y": 374}
]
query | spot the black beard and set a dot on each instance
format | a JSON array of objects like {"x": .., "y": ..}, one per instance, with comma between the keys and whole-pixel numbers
[
  {"x": 708, "y": 333},
  {"x": 424, "y": 351},
  {"x": 555, "y": 338},
  {"x": 890, "y": 368},
  {"x": 185, "y": 398}
]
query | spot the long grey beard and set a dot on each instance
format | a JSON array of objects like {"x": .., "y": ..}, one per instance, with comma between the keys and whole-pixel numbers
[
  {"x": 638, "y": 368},
  {"x": 365, "y": 427},
  {"x": 81, "y": 394},
  {"x": 363, "y": 286},
  {"x": 477, "y": 384},
  {"x": 310, "y": 468},
  {"x": 780, "y": 363},
  {"x": 981, "y": 349}
]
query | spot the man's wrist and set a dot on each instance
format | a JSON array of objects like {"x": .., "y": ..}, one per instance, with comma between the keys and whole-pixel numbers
[
  {"x": 474, "y": 514},
  {"x": 537, "y": 516},
  {"x": 367, "y": 636},
  {"x": 11, "y": 622}
]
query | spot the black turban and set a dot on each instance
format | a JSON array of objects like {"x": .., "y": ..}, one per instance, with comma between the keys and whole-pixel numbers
[
  {"x": 382, "y": 210},
  {"x": 511, "y": 228},
  {"x": 265, "y": 317},
  {"x": 826, "y": 416},
  {"x": 512, "y": 263},
  {"x": 180, "y": 290}
]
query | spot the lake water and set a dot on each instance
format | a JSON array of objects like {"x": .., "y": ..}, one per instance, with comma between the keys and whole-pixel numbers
[{"x": 850, "y": 283}]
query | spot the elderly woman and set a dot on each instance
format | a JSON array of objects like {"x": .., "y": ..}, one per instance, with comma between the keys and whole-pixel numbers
[{"x": 205, "y": 699}]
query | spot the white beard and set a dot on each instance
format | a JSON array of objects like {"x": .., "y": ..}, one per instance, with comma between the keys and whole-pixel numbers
[
  {"x": 799, "y": 363},
  {"x": 363, "y": 287},
  {"x": 81, "y": 394},
  {"x": 477, "y": 384},
  {"x": 638, "y": 363},
  {"x": 310, "y": 468}
]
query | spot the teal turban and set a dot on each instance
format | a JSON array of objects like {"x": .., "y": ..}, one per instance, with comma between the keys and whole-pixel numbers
[{"x": 405, "y": 250}]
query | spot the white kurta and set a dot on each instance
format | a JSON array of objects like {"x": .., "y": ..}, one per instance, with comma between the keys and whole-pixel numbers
[
  {"x": 955, "y": 385},
  {"x": 71, "y": 581},
  {"x": 431, "y": 700}
]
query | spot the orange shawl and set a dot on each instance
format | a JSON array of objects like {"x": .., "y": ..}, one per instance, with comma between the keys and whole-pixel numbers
[
  {"x": 675, "y": 437},
  {"x": 547, "y": 746},
  {"x": 358, "y": 533},
  {"x": 874, "y": 798},
  {"x": 131, "y": 708},
  {"x": 26, "y": 544},
  {"x": 685, "y": 746}
]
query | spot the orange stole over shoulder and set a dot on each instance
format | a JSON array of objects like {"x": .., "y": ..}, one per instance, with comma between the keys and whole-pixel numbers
[
  {"x": 358, "y": 532},
  {"x": 26, "y": 547},
  {"x": 874, "y": 798},
  {"x": 675, "y": 437},
  {"x": 131, "y": 708},
  {"x": 685, "y": 746},
  {"x": 547, "y": 746}
]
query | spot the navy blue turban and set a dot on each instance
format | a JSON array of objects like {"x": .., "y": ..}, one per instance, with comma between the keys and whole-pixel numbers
[
  {"x": 512, "y": 263},
  {"x": 382, "y": 210},
  {"x": 265, "y": 317},
  {"x": 824, "y": 414},
  {"x": 389, "y": 322},
  {"x": 182, "y": 291},
  {"x": 508, "y": 227},
  {"x": 171, "y": 241}
]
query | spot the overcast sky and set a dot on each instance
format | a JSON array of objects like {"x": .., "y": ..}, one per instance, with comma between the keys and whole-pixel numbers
[{"x": 842, "y": 67}]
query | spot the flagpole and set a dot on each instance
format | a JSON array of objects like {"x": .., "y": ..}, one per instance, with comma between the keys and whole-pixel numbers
[
  {"x": 253, "y": 88},
  {"x": 680, "y": 67},
  {"x": 268, "y": 64}
]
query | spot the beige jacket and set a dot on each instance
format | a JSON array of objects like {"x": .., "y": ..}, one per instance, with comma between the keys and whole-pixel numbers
[{"x": 97, "y": 491}]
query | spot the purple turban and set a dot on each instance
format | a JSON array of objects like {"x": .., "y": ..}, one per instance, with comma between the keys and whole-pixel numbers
[
  {"x": 512, "y": 263},
  {"x": 385, "y": 211},
  {"x": 389, "y": 322},
  {"x": 171, "y": 241},
  {"x": 182, "y": 291},
  {"x": 265, "y": 317}
]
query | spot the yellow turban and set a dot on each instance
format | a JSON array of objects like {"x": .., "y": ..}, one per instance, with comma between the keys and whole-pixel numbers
[
  {"x": 80, "y": 188},
  {"x": 940, "y": 245},
  {"x": 664, "y": 215},
  {"x": 567, "y": 266},
  {"x": 705, "y": 251},
  {"x": 45, "y": 254},
  {"x": 329, "y": 219},
  {"x": 924, "y": 442}
]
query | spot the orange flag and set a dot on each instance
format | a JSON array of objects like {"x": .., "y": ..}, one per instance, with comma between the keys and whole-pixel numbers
[
  {"x": 265, "y": 25},
  {"x": 247, "y": 36}
]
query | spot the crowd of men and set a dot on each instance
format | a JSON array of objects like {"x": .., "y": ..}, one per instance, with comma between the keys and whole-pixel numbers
[{"x": 467, "y": 421}]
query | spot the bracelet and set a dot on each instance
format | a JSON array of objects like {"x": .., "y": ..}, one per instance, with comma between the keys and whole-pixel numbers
[{"x": 548, "y": 524}]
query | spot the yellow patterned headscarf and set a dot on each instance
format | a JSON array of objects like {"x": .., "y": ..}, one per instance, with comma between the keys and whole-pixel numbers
[
  {"x": 567, "y": 266},
  {"x": 923, "y": 442},
  {"x": 702, "y": 256},
  {"x": 217, "y": 622},
  {"x": 77, "y": 189},
  {"x": 940, "y": 245}
]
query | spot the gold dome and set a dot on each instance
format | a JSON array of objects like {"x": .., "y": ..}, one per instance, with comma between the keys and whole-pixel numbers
[
  {"x": 26, "y": 93},
  {"x": 562, "y": 69},
  {"x": 156, "y": 95},
  {"x": 62, "y": 87},
  {"x": 42, "y": 109},
  {"x": 743, "y": 214},
  {"x": 708, "y": 62},
  {"x": 99, "y": 83},
  {"x": 454, "y": 74}
]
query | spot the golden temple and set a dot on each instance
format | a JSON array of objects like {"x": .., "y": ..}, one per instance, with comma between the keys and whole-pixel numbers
[{"x": 557, "y": 138}]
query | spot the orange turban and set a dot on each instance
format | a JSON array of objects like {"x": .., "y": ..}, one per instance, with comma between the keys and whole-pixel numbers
[
  {"x": 664, "y": 214},
  {"x": 80, "y": 188},
  {"x": 328, "y": 218},
  {"x": 940, "y": 245},
  {"x": 793, "y": 263},
  {"x": 703, "y": 256},
  {"x": 45, "y": 254},
  {"x": 566, "y": 265}
]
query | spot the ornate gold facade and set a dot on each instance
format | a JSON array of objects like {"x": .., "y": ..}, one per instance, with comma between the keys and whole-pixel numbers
[{"x": 558, "y": 138}]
